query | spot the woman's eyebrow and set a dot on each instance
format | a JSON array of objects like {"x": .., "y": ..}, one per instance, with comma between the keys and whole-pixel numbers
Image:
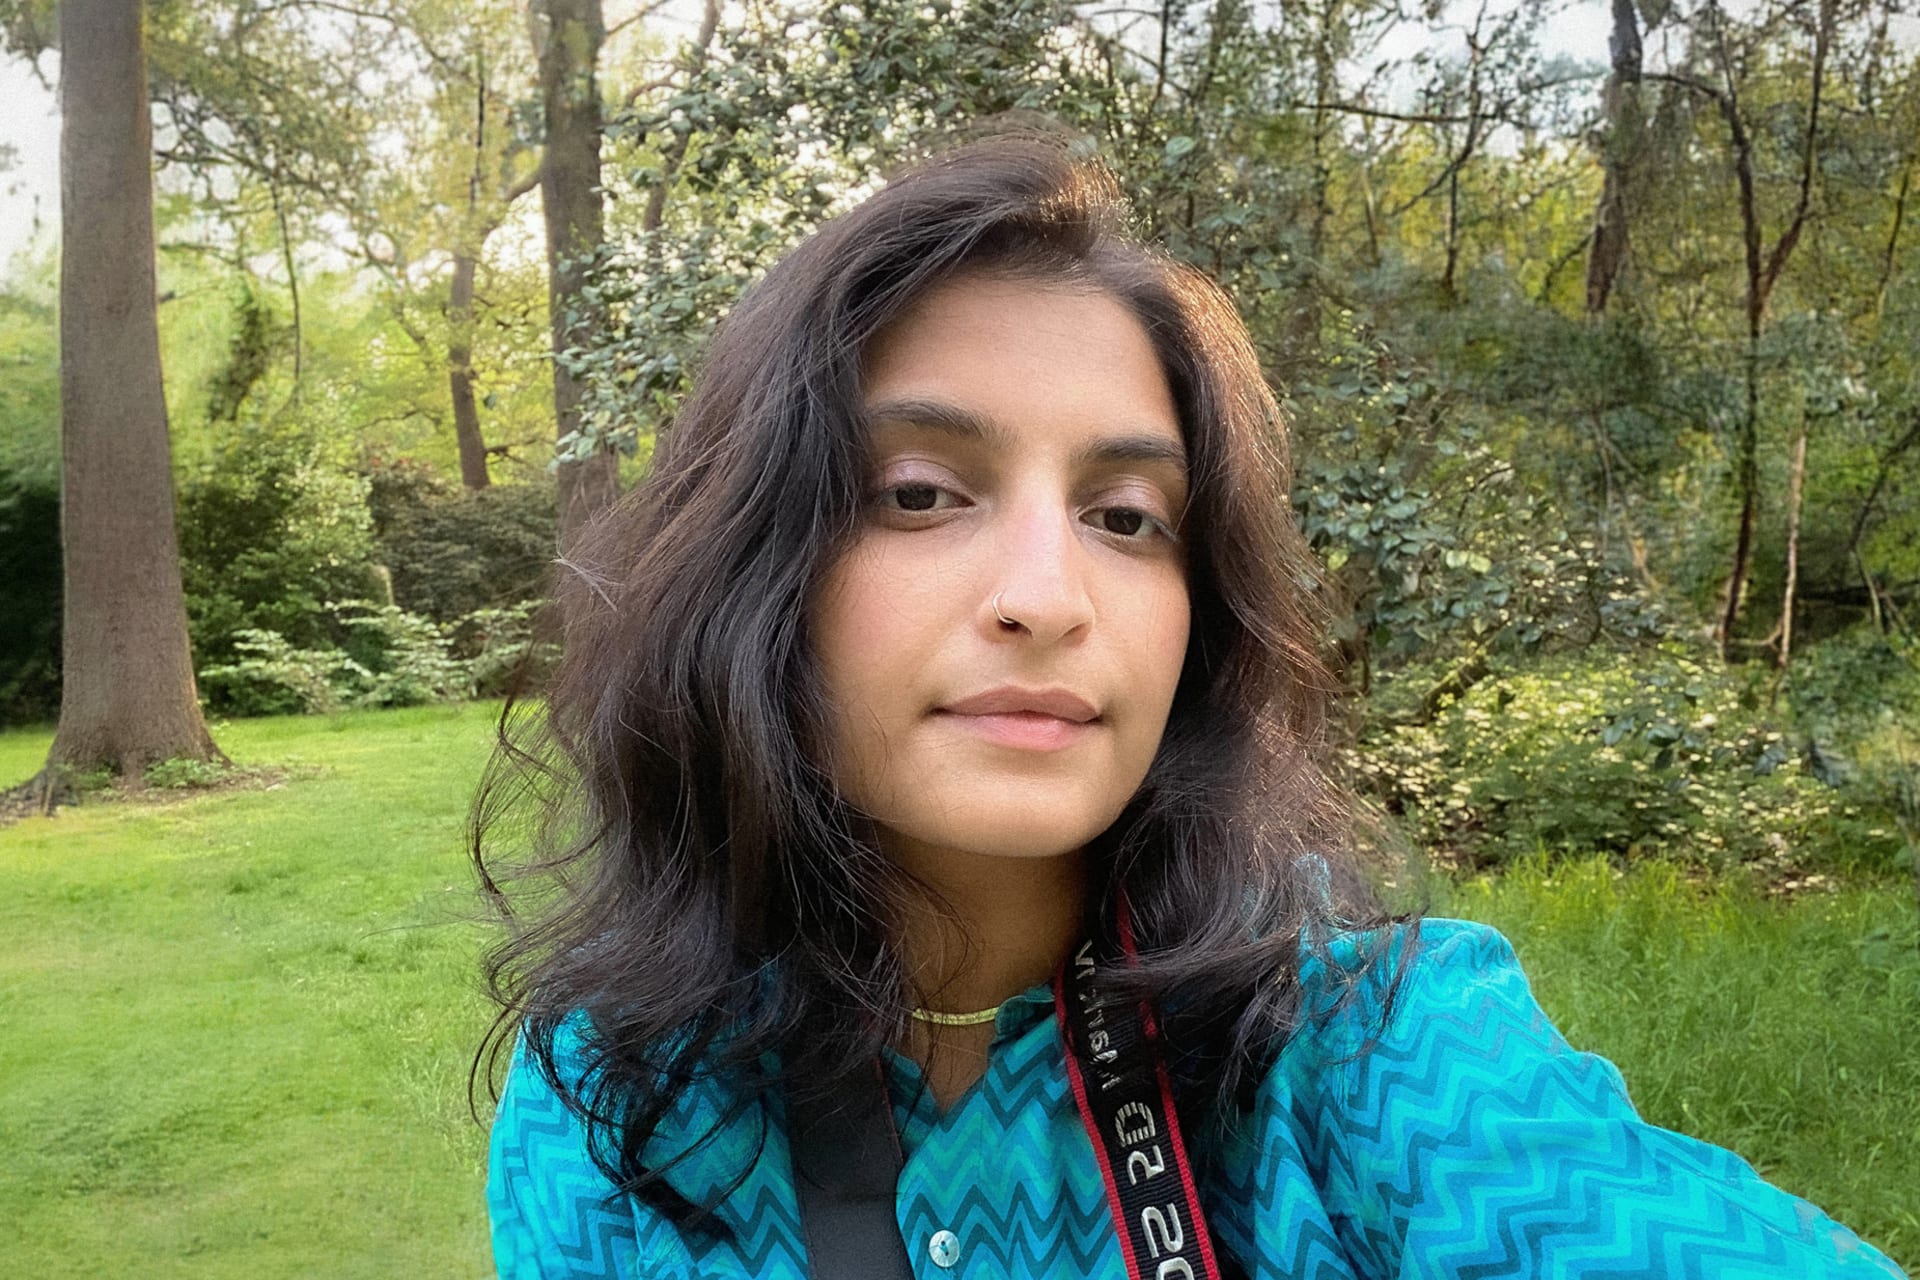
[{"x": 980, "y": 428}]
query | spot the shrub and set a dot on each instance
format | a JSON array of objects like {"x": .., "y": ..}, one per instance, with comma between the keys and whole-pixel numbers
[
  {"x": 1855, "y": 697},
  {"x": 392, "y": 659},
  {"x": 1654, "y": 752},
  {"x": 181, "y": 773},
  {"x": 499, "y": 645},
  {"x": 408, "y": 658},
  {"x": 452, "y": 552},
  {"x": 269, "y": 532},
  {"x": 30, "y": 605},
  {"x": 273, "y": 676}
]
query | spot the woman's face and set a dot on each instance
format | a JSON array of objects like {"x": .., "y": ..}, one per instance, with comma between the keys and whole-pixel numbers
[{"x": 1025, "y": 445}]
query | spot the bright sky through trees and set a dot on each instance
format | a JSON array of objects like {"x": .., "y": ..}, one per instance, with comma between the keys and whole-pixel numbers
[{"x": 30, "y": 123}]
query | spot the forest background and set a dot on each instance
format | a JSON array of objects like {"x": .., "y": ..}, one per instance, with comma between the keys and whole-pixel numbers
[{"x": 1601, "y": 365}]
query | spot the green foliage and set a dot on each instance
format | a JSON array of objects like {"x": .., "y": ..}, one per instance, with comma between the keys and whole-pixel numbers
[
  {"x": 1458, "y": 556},
  {"x": 30, "y": 606},
  {"x": 29, "y": 385},
  {"x": 390, "y": 658},
  {"x": 762, "y": 138},
  {"x": 269, "y": 531},
  {"x": 273, "y": 677},
  {"x": 249, "y": 356},
  {"x": 183, "y": 773},
  {"x": 1632, "y": 754},
  {"x": 1855, "y": 698},
  {"x": 451, "y": 551},
  {"x": 30, "y": 569},
  {"x": 409, "y": 659},
  {"x": 503, "y": 647}
]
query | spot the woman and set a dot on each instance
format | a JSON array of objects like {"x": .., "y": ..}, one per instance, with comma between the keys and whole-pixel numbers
[{"x": 948, "y": 697}]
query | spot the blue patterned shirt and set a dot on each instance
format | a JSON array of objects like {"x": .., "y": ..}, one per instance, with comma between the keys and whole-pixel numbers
[{"x": 1470, "y": 1141}]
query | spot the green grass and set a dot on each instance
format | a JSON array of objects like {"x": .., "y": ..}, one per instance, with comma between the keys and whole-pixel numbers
[{"x": 238, "y": 1024}]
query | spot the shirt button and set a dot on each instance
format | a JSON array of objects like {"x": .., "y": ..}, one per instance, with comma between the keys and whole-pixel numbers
[{"x": 944, "y": 1249}]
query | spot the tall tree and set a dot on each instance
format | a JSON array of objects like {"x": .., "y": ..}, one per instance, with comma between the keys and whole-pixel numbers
[
  {"x": 1620, "y": 104},
  {"x": 567, "y": 37},
  {"x": 490, "y": 194},
  {"x": 128, "y": 696},
  {"x": 1763, "y": 266}
]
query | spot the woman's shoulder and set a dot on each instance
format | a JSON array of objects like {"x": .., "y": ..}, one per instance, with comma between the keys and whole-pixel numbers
[
  {"x": 1357, "y": 986},
  {"x": 1450, "y": 1119}
]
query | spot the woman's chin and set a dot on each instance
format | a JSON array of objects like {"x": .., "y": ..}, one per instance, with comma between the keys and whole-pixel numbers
[{"x": 1010, "y": 837}]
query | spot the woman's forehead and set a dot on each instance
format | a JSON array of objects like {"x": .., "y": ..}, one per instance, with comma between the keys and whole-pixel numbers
[{"x": 982, "y": 359}]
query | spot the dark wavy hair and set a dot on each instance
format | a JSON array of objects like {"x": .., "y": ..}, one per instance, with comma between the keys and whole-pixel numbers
[{"x": 692, "y": 887}]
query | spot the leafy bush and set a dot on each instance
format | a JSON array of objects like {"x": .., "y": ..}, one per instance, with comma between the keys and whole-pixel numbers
[
  {"x": 30, "y": 605},
  {"x": 1856, "y": 699},
  {"x": 273, "y": 676},
  {"x": 499, "y": 645},
  {"x": 392, "y": 659},
  {"x": 182, "y": 773},
  {"x": 451, "y": 552},
  {"x": 270, "y": 531},
  {"x": 1650, "y": 753},
  {"x": 409, "y": 660}
]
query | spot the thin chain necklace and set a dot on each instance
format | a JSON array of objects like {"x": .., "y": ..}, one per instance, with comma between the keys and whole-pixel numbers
[{"x": 955, "y": 1019}]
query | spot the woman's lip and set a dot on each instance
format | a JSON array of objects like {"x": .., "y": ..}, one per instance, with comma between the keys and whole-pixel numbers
[{"x": 1025, "y": 730}]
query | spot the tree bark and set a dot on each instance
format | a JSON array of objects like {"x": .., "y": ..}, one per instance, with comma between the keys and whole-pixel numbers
[
  {"x": 569, "y": 48},
  {"x": 1763, "y": 273},
  {"x": 1609, "y": 252},
  {"x": 1796, "y": 487},
  {"x": 466, "y": 414},
  {"x": 466, "y": 265},
  {"x": 128, "y": 696}
]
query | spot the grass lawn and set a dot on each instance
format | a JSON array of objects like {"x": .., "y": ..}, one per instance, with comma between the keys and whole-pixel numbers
[{"x": 239, "y": 1024}]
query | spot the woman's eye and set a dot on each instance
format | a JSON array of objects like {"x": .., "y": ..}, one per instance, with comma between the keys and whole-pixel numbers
[
  {"x": 1131, "y": 523},
  {"x": 912, "y": 497}
]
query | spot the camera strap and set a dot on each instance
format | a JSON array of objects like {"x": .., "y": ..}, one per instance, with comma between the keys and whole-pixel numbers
[{"x": 1125, "y": 1098}]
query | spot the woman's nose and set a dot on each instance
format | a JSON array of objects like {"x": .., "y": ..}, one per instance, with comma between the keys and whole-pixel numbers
[{"x": 1040, "y": 571}]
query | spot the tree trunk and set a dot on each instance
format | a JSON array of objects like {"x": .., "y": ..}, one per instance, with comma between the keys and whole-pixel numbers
[
  {"x": 569, "y": 48},
  {"x": 1325, "y": 85},
  {"x": 466, "y": 264},
  {"x": 1762, "y": 275},
  {"x": 1796, "y": 487},
  {"x": 128, "y": 696},
  {"x": 466, "y": 415},
  {"x": 1746, "y": 478},
  {"x": 1622, "y": 139}
]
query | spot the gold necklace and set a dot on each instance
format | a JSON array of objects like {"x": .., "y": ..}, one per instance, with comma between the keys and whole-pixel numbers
[{"x": 955, "y": 1019}]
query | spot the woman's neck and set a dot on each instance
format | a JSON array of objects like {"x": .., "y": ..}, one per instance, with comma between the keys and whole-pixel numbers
[{"x": 1021, "y": 915}]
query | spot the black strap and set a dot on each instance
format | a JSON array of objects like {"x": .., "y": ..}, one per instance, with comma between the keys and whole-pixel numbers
[
  {"x": 846, "y": 1165},
  {"x": 1125, "y": 1099}
]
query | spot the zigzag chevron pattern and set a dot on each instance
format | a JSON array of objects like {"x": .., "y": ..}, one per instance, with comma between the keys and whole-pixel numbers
[{"x": 1470, "y": 1143}]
